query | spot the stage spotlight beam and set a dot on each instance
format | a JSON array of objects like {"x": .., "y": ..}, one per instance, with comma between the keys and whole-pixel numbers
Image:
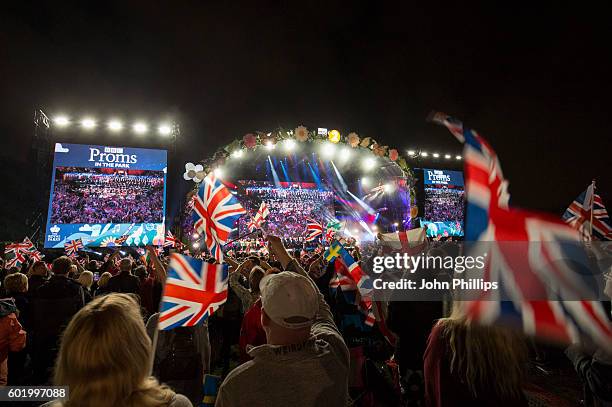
[
  {"x": 289, "y": 144},
  {"x": 237, "y": 153},
  {"x": 368, "y": 163}
]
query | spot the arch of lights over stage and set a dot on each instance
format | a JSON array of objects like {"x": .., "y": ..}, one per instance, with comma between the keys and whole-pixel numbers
[{"x": 360, "y": 186}]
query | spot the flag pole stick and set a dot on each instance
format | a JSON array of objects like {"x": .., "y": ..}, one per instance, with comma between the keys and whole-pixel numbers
[
  {"x": 592, "y": 204},
  {"x": 154, "y": 347}
]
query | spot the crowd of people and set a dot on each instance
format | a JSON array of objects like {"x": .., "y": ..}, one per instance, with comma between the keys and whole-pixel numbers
[
  {"x": 283, "y": 337},
  {"x": 444, "y": 204},
  {"x": 86, "y": 195}
]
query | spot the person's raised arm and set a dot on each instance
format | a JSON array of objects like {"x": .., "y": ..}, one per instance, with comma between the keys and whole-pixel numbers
[{"x": 158, "y": 267}]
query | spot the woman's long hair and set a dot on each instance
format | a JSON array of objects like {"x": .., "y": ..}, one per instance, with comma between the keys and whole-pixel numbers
[
  {"x": 104, "y": 357},
  {"x": 485, "y": 358}
]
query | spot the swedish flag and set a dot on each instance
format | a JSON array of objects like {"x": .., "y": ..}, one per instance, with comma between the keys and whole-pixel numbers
[{"x": 335, "y": 250}]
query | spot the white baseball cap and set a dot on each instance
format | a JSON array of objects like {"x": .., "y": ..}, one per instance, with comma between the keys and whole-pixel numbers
[{"x": 289, "y": 299}]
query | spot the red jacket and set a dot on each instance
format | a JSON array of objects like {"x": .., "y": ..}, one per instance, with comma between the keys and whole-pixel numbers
[
  {"x": 12, "y": 336},
  {"x": 251, "y": 331}
]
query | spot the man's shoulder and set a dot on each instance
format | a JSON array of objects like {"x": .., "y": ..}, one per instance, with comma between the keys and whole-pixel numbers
[{"x": 240, "y": 375}]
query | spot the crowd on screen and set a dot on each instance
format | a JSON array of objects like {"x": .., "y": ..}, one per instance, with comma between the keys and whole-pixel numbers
[
  {"x": 81, "y": 195},
  {"x": 442, "y": 204},
  {"x": 90, "y": 325},
  {"x": 290, "y": 208}
]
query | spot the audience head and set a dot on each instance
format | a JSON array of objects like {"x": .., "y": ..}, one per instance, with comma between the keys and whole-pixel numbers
[
  {"x": 39, "y": 268},
  {"x": 16, "y": 283},
  {"x": 141, "y": 272},
  {"x": 61, "y": 266},
  {"x": 289, "y": 304},
  {"x": 255, "y": 276},
  {"x": 480, "y": 353},
  {"x": 86, "y": 279},
  {"x": 103, "y": 280},
  {"x": 125, "y": 265},
  {"x": 104, "y": 356}
]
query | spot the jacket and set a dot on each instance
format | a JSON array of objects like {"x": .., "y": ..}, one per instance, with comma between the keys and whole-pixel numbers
[
  {"x": 313, "y": 373},
  {"x": 124, "y": 282},
  {"x": 12, "y": 336}
]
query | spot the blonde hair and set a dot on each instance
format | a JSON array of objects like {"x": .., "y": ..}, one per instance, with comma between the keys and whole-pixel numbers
[
  {"x": 16, "y": 283},
  {"x": 103, "y": 280},
  {"x": 86, "y": 279},
  {"x": 485, "y": 358},
  {"x": 105, "y": 355}
]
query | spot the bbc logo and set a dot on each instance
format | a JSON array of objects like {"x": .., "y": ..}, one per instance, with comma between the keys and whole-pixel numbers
[{"x": 114, "y": 150}]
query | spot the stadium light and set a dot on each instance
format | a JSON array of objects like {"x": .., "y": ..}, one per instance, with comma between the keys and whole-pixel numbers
[
  {"x": 164, "y": 129},
  {"x": 388, "y": 188},
  {"x": 140, "y": 128},
  {"x": 237, "y": 153},
  {"x": 61, "y": 121},
  {"x": 436, "y": 155},
  {"x": 457, "y": 157},
  {"x": 424, "y": 154},
  {"x": 289, "y": 144},
  {"x": 368, "y": 163},
  {"x": 345, "y": 154},
  {"x": 447, "y": 156},
  {"x": 115, "y": 125},
  {"x": 365, "y": 181},
  {"x": 195, "y": 236},
  {"x": 411, "y": 152},
  {"x": 88, "y": 123},
  {"x": 195, "y": 245},
  {"x": 270, "y": 145},
  {"x": 395, "y": 224}
]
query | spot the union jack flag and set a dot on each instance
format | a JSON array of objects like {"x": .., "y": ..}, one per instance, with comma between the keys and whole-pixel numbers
[
  {"x": 194, "y": 290},
  {"x": 73, "y": 246},
  {"x": 23, "y": 247},
  {"x": 578, "y": 216},
  {"x": 314, "y": 229},
  {"x": 170, "y": 240},
  {"x": 216, "y": 211},
  {"x": 18, "y": 253},
  {"x": 36, "y": 255},
  {"x": 344, "y": 280},
  {"x": 260, "y": 216},
  {"x": 534, "y": 257}
]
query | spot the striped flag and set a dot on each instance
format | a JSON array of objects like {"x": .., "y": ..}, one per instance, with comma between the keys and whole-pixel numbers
[
  {"x": 546, "y": 265},
  {"x": 72, "y": 247},
  {"x": 589, "y": 205},
  {"x": 170, "y": 240},
  {"x": 194, "y": 290},
  {"x": 410, "y": 241},
  {"x": 314, "y": 230},
  {"x": 216, "y": 211}
]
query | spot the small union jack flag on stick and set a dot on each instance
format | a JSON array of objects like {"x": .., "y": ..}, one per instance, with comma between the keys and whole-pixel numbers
[
  {"x": 170, "y": 240},
  {"x": 216, "y": 211},
  {"x": 194, "y": 290},
  {"x": 73, "y": 246},
  {"x": 314, "y": 230}
]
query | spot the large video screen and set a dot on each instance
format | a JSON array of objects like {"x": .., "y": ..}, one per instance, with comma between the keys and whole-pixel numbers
[
  {"x": 107, "y": 196},
  {"x": 444, "y": 206},
  {"x": 291, "y": 204}
]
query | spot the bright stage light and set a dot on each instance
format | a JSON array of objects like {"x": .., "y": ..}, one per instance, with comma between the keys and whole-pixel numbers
[
  {"x": 457, "y": 157},
  {"x": 328, "y": 150},
  {"x": 411, "y": 152},
  {"x": 447, "y": 156},
  {"x": 88, "y": 123},
  {"x": 237, "y": 153},
  {"x": 436, "y": 155},
  {"x": 270, "y": 145},
  {"x": 396, "y": 224},
  {"x": 115, "y": 125},
  {"x": 365, "y": 181},
  {"x": 333, "y": 136},
  {"x": 289, "y": 144},
  {"x": 164, "y": 129},
  {"x": 195, "y": 235},
  {"x": 218, "y": 172},
  {"x": 388, "y": 188},
  {"x": 345, "y": 154},
  {"x": 424, "y": 154},
  {"x": 195, "y": 245},
  {"x": 140, "y": 128},
  {"x": 368, "y": 163},
  {"x": 61, "y": 121},
  {"x": 374, "y": 228}
]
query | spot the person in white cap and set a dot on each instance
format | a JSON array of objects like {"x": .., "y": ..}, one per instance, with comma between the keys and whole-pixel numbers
[{"x": 305, "y": 361}]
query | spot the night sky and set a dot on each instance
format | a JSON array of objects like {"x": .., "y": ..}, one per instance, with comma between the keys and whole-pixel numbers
[{"x": 534, "y": 80}]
